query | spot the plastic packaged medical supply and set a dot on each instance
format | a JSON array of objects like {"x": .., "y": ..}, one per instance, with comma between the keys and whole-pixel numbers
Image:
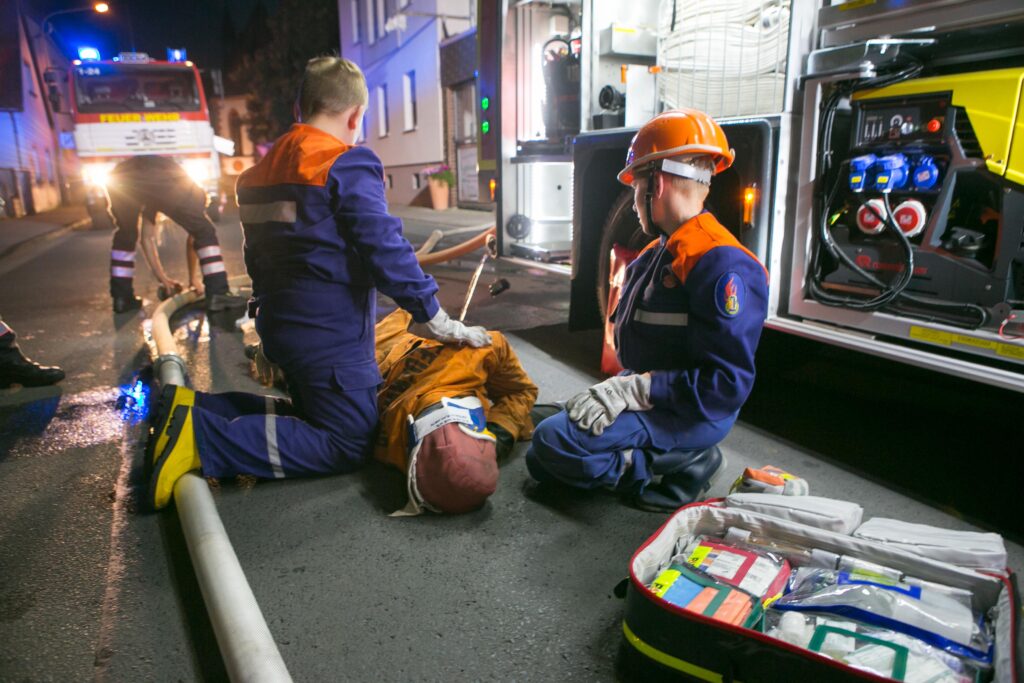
[
  {"x": 770, "y": 479},
  {"x": 932, "y": 616},
  {"x": 761, "y": 574},
  {"x": 867, "y": 569},
  {"x": 878, "y": 650},
  {"x": 680, "y": 585},
  {"x": 798, "y": 555}
]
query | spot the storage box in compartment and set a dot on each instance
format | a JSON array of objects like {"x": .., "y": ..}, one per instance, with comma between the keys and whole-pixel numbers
[{"x": 668, "y": 638}]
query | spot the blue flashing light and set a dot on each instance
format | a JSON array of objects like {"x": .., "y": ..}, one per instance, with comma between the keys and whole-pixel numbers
[
  {"x": 134, "y": 402},
  {"x": 88, "y": 53},
  {"x": 176, "y": 54}
]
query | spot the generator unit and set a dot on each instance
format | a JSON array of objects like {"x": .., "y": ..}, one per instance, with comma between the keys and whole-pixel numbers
[{"x": 924, "y": 214}]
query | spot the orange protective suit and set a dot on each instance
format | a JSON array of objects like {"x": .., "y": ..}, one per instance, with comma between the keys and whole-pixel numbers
[{"x": 420, "y": 372}]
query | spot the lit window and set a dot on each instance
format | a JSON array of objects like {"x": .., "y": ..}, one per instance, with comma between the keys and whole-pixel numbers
[
  {"x": 409, "y": 99},
  {"x": 382, "y": 111}
]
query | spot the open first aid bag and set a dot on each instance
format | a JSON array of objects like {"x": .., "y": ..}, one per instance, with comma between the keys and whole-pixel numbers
[{"x": 850, "y": 608}]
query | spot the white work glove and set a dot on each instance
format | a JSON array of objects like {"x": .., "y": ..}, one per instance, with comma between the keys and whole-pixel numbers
[
  {"x": 598, "y": 406},
  {"x": 444, "y": 329}
]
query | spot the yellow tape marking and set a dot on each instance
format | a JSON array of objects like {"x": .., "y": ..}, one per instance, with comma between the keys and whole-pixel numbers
[
  {"x": 856, "y": 4},
  {"x": 668, "y": 660},
  {"x": 1011, "y": 351},
  {"x": 934, "y": 336}
]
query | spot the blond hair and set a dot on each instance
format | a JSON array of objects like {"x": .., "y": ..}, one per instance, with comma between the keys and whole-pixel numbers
[{"x": 331, "y": 85}]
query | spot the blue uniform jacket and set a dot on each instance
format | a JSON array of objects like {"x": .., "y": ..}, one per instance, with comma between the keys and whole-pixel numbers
[
  {"x": 691, "y": 313},
  {"x": 318, "y": 242}
]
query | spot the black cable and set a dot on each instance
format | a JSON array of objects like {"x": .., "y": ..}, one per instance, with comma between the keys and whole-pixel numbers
[{"x": 890, "y": 293}]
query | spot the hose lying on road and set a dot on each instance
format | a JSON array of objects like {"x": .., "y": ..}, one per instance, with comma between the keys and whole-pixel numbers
[
  {"x": 429, "y": 244},
  {"x": 458, "y": 250},
  {"x": 246, "y": 645}
]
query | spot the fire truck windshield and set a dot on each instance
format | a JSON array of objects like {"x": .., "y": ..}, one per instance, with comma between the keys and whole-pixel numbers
[{"x": 102, "y": 88}]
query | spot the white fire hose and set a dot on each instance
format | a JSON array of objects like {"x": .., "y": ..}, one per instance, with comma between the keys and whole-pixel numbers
[{"x": 246, "y": 645}]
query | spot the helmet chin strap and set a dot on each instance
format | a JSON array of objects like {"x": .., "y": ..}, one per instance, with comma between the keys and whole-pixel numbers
[{"x": 649, "y": 202}]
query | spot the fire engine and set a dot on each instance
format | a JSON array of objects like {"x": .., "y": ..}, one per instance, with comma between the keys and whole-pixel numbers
[
  {"x": 878, "y": 174},
  {"x": 133, "y": 105}
]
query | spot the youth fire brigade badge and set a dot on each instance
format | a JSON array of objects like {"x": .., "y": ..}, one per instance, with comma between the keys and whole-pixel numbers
[{"x": 729, "y": 293}]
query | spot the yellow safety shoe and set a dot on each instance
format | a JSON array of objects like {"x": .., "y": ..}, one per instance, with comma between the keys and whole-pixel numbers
[
  {"x": 171, "y": 396},
  {"x": 179, "y": 457}
]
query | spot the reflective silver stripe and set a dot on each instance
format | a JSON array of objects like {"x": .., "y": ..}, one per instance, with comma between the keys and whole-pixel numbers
[
  {"x": 122, "y": 255},
  {"x": 118, "y": 271},
  {"x": 272, "y": 453},
  {"x": 280, "y": 212},
  {"x": 207, "y": 252},
  {"x": 652, "y": 318},
  {"x": 211, "y": 268}
]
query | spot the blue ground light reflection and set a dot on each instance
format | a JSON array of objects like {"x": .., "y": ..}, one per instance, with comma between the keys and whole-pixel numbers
[{"x": 133, "y": 402}]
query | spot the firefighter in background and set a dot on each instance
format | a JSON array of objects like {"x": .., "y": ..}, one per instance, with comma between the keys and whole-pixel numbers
[
  {"x": 142, "y": 186},
  {"x": 448, "y": 414},
  {"x": 686, "y": 328},
  {"x": 148, "y": 243},
  {"x": 15, "y": 368},
  {"x": 318, "y": 244}
]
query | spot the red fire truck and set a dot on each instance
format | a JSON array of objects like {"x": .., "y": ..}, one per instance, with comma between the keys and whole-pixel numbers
[{"x": 133, "y": 105}]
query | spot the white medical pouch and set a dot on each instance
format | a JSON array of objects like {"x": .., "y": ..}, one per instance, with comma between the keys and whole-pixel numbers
[
  {"x": 840, "y": 516},
  {"x": 977, "y": 550}
]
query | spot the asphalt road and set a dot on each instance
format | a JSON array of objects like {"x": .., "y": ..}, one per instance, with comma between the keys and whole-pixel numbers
[{"x": 91, "y": 587}]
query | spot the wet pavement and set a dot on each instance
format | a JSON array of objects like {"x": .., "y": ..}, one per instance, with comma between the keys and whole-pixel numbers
[{"x": 91, "y": 587}]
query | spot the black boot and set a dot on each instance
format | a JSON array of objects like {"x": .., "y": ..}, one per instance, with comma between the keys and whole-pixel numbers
[
  {"x": 126, "y": 304},
  {"x": 15, "y": 368},
  {"x": 686, "y": 477},
  {"x": 225, "y": 301}
]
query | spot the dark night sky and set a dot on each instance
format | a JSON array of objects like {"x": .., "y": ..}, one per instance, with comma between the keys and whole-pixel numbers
[{"x": 155, "y": 25}]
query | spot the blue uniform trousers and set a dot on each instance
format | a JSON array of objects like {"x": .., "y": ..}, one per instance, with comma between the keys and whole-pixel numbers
[
  {"x": 562, "y": 451},
  {"x": 323, "y": 430}
]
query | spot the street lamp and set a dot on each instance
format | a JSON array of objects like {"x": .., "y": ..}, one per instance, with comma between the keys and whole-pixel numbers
[{"x": 99, "y": 8}]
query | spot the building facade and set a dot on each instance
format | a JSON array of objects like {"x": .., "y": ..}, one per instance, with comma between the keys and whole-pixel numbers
[
  {"x": 395, "y": 43},
  {"x": 33, "y": 164}
]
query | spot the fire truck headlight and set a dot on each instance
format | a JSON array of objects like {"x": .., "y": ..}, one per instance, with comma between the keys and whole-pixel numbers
[
  {"x": 97, "y": 174},
  {"x": 198, "y": 170}
]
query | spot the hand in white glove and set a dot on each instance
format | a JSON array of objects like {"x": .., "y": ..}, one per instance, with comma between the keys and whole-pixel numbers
[
  {"x": 598, "y": 406},
  {"x": 444, "y": 329}
]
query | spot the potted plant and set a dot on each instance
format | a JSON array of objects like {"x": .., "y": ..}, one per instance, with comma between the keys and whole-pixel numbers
[{"x": 440, "y": 179}]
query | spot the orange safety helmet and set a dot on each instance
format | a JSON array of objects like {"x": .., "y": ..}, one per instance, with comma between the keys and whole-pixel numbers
[{"x": 674, "y": 133}]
